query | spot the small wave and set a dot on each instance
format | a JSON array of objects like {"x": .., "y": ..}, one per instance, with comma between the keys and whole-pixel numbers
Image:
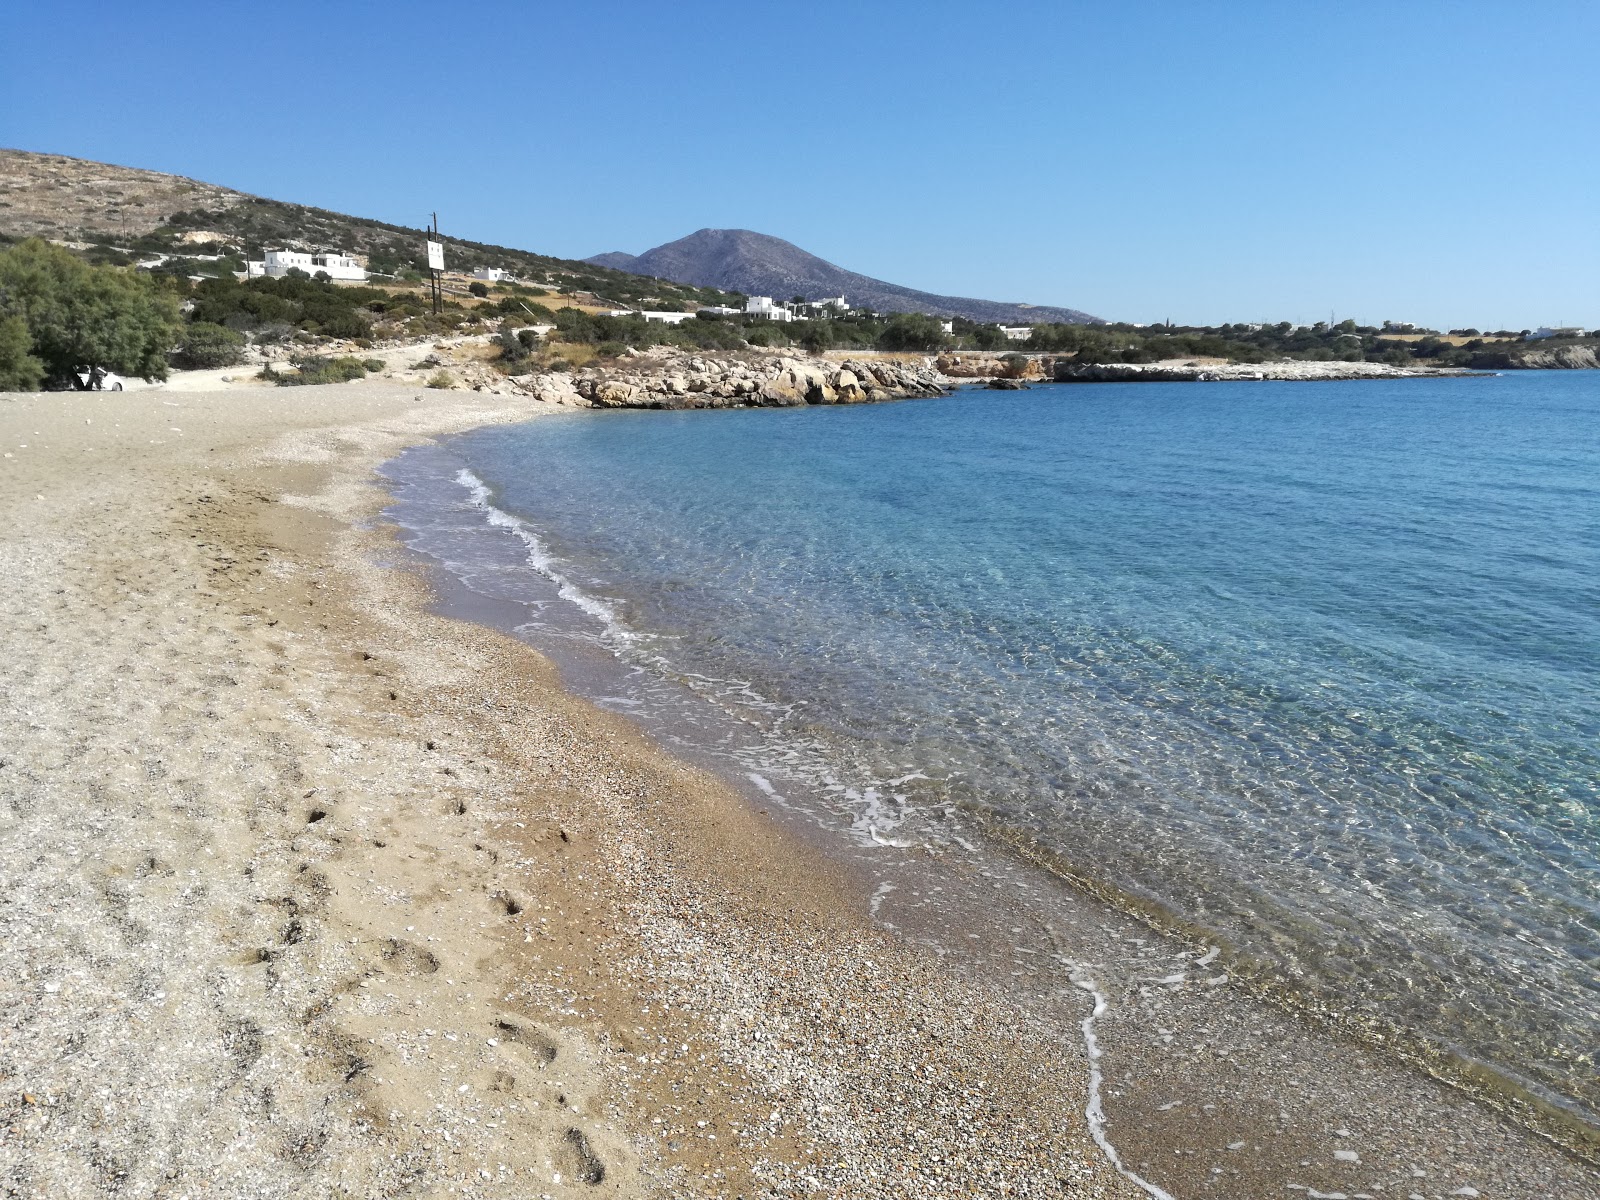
[{"x": 539, "y": 558}]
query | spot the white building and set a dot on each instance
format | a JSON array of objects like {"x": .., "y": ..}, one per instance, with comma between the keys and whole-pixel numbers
[
  {"x": 1563, "y": 331},
  {"x": 280, "y": 262},
  {"x": 1017, "y": 333},
  {"x": 490, "y": 274},
  {"x": 720, "y": 311},
  {"x": 762, "y": 306},
  {"x": 947, "y": 326},
  {"x": 831, "y": 302}
]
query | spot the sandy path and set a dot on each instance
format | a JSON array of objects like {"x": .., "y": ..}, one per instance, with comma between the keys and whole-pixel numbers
[{"x": 306, "y": 892}]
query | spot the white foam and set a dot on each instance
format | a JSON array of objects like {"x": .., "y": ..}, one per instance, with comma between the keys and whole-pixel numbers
[
  {"x": 539, "y": 558},
  {"x": 878, "y": 898},
  {"x": 1094, "y": 1111}
]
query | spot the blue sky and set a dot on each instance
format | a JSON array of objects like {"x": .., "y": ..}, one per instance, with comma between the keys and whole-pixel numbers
[{"x": 1202, "y": 161}]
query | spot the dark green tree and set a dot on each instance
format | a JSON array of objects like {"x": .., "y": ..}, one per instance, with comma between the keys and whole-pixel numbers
[
  {"x": 20, "y": 371},
  {"x": 80, "y": 316},
  {"x": 818, "y": 336},
  {"x": 912, "y": 331}
]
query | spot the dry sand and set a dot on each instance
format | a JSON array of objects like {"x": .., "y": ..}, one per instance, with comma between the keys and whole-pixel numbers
[{"x": 307, "y": 891}]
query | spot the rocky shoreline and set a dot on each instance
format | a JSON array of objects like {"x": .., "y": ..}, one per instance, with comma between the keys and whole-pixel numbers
[{"x": 696, "y": 381}]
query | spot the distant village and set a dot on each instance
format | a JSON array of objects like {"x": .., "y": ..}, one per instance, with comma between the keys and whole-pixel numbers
[{"x": 339, "y": 266}]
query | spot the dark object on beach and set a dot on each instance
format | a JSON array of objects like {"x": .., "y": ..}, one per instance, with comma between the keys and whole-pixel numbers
[{"x": 1006, "y": 385}]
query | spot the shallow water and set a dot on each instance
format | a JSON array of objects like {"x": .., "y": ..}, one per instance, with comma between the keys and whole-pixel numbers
[{"x": 1310, "y": 667}]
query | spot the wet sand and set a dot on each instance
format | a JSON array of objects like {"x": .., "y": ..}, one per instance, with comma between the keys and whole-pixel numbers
[{"x": 309, "y": 890}]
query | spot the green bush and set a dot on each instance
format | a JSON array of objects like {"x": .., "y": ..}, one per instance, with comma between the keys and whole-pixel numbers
[
  {"x": 479, "y": 290},
  {"x": 317, "y": 369},
  {"x": 374, "y": 364},
  {"x": 441, "y": 379},
  {"x": 205, "y": 346}
]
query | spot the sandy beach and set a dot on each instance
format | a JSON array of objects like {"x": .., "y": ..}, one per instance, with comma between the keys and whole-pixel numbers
[
  {"x": 308, "y": 892},
  {"x": 311, "y": 891}
]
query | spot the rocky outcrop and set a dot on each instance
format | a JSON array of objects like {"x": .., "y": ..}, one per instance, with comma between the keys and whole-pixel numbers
[
  {"x": 695, "y": 381},
  {"x": 1573, "y": 358},
  {"x": 994, "y": 364}
]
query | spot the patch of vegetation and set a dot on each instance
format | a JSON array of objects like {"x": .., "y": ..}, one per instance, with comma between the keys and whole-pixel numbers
[
  {"x": 316, "y": 306},
  {"x": 314, "y": 368},
  {"x": 203, "y": 346},
  {"x": 441, "y": 379}
]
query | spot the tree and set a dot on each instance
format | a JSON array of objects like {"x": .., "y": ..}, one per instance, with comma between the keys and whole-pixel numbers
[
  {"x": 817, "y": 337},
  {"x": 80, "y": 316},
  {"x": 912, "y": 331},
  {"x": 20, "y": 371},
  {"x": 988, "y": 337},
  {"x": 479, "y": 290}
]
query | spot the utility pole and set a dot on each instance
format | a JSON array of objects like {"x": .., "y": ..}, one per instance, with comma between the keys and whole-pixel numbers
[{"x": 436, "y": 256}]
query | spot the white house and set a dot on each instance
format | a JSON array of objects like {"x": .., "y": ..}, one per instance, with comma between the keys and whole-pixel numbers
[
  {"x": 490, "y": 274},
  {"x": 1017, "y": 333},
  {"x": 947, "y": 326},
  {"x": 280, "y": 262},
  {"x": 1564, "y": 331},
  {"x": 762, "y": 306},
  {"x": 720, "y": 311},
  {"x": 831, "y": 302}
]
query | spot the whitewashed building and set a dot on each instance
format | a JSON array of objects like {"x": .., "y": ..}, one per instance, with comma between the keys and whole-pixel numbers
[
  {"x": 491, "y": 274},
  {"x": 1017, "y": 333},
  {"x": 278, "y": 263},
  {"x": 762, "y": 306}
]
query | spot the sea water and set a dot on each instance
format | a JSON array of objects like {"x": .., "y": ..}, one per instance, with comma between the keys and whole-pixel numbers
[{"x": 1308, "y": 668}]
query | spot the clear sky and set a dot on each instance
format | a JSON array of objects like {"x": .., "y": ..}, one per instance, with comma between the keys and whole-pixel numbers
[{"x": 1204, "y": 161}]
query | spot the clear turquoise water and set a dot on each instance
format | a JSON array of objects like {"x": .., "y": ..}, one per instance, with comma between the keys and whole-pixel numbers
[{"x": 1312, "y": 666}]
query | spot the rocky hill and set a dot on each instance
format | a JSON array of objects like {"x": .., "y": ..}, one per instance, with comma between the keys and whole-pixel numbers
[
  {"x": 738, "y": 260},
  {"x": 121, "y": 214}
]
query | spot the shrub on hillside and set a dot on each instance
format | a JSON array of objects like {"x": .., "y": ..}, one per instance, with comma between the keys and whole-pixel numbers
[{"x": 204, "y": 346}]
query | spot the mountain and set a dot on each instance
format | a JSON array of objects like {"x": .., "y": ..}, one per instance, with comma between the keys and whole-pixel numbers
[
  {"x": 121, "y": 214},
  {"x": 756, "y": 264}
]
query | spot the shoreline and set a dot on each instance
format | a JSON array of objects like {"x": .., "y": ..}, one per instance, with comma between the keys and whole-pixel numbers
[{"x": 458, "y": 929}]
